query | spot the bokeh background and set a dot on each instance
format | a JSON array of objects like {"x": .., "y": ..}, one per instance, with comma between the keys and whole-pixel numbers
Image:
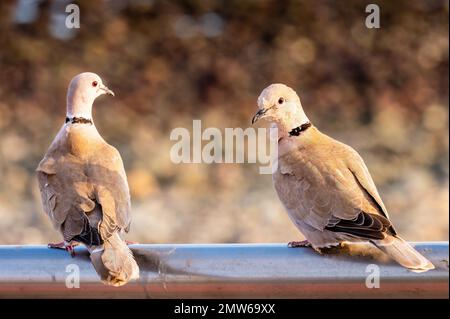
[{"x": 383, "y": 91}]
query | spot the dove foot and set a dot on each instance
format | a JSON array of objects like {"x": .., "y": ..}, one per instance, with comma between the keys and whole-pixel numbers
[
  {"x": 296, "y": 244},
  {"x": 130, "y": 242},
  {"x": 65, "y": 246}
]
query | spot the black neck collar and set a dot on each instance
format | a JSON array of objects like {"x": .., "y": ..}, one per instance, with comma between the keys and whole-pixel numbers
[
  {"x": 81, "y": 120},
  {"x": 297, "y": 130}
]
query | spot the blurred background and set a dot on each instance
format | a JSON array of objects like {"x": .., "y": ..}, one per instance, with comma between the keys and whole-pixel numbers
[{"x": 383, "y": 91}]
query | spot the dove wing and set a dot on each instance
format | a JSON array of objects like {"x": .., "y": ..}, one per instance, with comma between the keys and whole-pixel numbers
[
  {"x": 356, "y": 165},
  {"x": 66, "y": 194},
  {"x": 111, "y": 190},
  {"x": 318, "y": 188}
]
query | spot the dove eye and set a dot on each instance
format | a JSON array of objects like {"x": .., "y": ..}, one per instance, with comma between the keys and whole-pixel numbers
[
  {"x": 94, "y": 84},
  {"x": 280, "y": 100}
]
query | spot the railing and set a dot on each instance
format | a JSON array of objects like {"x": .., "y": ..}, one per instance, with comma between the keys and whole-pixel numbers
[{"x": 225, "y": 271}]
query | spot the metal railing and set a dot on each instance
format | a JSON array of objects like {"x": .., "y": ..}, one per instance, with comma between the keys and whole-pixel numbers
[{"x": 225, "y": 271}]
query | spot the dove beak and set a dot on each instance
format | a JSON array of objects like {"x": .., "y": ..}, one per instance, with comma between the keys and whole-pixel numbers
[
  {"x": 259, "y": 115},
  {"x": 106, "y": 90}
]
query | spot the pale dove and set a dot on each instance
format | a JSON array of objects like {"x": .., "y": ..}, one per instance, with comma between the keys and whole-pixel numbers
[
  {"x": 84, "y": 188},
  {"x": 325, "y": 185}
]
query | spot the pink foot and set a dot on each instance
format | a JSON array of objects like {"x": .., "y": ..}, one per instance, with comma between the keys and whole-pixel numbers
[
  {"x": 129, "y": 242},
  {"x": 65, "y": 246},
  {"x": 296, "y": 244}
]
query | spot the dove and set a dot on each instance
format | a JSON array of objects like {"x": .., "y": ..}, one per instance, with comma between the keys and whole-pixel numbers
[
  {"x": 84, "y": 187},
  {"x": 325, "y": 185}
]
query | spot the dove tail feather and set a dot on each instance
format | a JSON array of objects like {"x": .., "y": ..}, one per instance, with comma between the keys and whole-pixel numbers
[
  {"x": 403, "y": 253},
  {"x": 365, "y": 225},
  {"x": 115, "y": 263},
  {"x": 89, "y": 236}
]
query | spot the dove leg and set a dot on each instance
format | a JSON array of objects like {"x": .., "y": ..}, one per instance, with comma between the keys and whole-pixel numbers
[
  {"x": 69, "y": 247},
  {"x": 296, "y": 244}
]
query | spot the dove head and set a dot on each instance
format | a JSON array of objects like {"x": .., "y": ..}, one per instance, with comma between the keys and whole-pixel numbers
[
  {"x": 280, "y": 104},
  {"x": 83, "y": 90}
]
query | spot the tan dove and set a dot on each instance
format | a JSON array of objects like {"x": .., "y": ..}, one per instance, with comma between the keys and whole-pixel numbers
[
  {"x": 84, "y": 187},
  {"x": 325, "y": 185}
]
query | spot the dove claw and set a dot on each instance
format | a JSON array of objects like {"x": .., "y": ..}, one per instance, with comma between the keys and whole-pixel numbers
[
  {"x": 65, "y": 246},
  {"x": 60, "y": 245},
  {"x": 71, "y": 250},
  {"x": 296, "y": 244}
]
